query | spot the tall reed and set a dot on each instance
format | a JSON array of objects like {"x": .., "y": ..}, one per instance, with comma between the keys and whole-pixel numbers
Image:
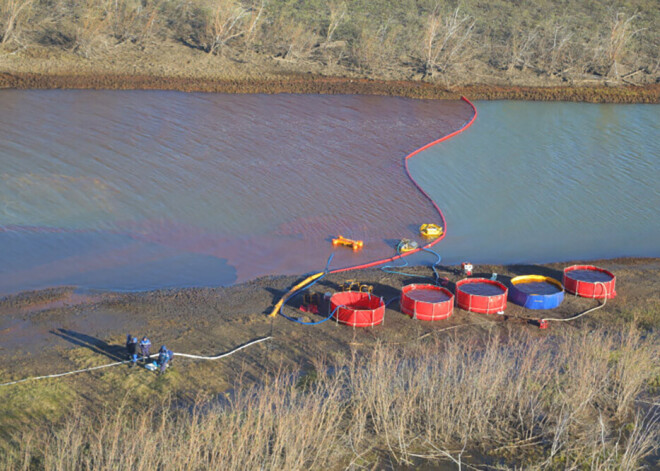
[{"x": 542, "y": 403}]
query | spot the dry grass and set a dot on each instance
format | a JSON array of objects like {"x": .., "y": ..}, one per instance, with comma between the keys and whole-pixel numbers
[
  {"x": 570, "y": 42},
  {"x": 563, "y": 402}
]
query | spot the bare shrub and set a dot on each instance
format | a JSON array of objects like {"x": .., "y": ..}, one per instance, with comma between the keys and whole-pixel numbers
[
  {"x": 91, "y": 28},
  {"x": 133, "y": 20},
  {"x": 613, "y": 42},
  {"x": 338, "y": 11},
  {"x": 555, "y": 46},
  {"x": 445, "y": 39},
  {"x": 296, "y": 40},
  {"x": 523, "y": 44},
  {"x": 375, "y": 48},
  {"x": 226, "y": 23},
  {"x": 622, "y": 31},
  {"x": 211, "y": 26},
  {"x": 12, "y": 15}
]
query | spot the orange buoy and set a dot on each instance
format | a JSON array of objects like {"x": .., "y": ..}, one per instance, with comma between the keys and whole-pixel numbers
[{"x": 341, "y": 240}]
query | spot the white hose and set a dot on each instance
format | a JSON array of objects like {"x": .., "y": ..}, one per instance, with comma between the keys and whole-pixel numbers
[
  {"x": 585, "y": 312},
  {"x": 198, "y": 357}
]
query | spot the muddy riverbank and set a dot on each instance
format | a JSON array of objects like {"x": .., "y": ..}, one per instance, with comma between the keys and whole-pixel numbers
[
  {"x": 316, "y": 84},
  {"x": 52, "y": 331}
]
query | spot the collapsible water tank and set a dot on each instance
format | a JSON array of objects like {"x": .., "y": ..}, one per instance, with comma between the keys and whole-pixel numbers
[
  {"x": 427, "y": 302},
  {"x": 589, "y": 281},
  {"x": 357, "y": 309},
  {"x": 481, "y": 295},
  {"x": 536, "y": 292}
]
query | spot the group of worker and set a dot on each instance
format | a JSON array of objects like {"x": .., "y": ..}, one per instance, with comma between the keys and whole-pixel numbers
[{"x": 165, "y": 356}]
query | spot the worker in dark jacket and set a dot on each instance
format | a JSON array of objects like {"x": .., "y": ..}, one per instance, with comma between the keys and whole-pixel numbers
[
  {"x": 132, "y": 349},
  {"x": 164, "y": 357},
  {"x": 145, "y": 346}
]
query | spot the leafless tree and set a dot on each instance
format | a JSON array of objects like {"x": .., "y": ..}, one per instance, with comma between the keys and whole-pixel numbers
[
  {"x": 226, "y": 23},
  {"x": 444, "y": 38},
  {"x": 338, "y": 10},
  {"x": 621, "y": 32}
]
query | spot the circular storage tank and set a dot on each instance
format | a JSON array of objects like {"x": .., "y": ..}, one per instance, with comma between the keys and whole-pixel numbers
[
  {"x": 589, "y": 281},
  {"x": 481, "y": 295},
  {"x": 357, "y": 309},
  {"x": 427, "y": 302},
  {"x": 536, "y": 292}
]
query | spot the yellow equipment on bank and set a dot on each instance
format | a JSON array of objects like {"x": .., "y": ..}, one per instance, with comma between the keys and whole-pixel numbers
[
  {"x": 430, "y": 230},
  {"x": 407, "y": 245},
  {"x": 354, "y": 285}
]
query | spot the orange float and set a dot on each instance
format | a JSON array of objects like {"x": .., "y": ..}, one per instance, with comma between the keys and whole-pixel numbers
[{"x": 341, "y": 240}]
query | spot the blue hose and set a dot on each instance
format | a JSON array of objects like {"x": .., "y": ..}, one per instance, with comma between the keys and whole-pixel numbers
[
  {"x": 294, "y": 319},
  {"x": 405, "y": 264}
]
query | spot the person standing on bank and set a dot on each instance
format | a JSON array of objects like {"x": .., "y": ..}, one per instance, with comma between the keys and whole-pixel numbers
[
  {"x": 164, "y": 357},
  {"x": 145, "y": 346},
  {"x": 132, "y": 348}
]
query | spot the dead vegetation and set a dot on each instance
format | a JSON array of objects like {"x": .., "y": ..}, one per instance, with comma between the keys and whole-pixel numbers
[
  {"x": 573, "y": 401},
  {"x": 452, "y": 43}
]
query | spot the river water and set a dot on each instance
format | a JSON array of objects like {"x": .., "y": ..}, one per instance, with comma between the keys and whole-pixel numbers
[
  {"x": 141, "y": 190},
  {"x": 548, "y": 182}
]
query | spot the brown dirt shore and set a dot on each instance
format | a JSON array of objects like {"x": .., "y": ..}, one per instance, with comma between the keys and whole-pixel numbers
[
  {"x": 316, "y": 84},
  {"x": 58, "y": 330}
]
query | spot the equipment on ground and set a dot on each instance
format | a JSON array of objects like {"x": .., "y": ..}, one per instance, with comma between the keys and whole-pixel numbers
[
  {"x": 354, "y": 285},
  {"x": 311, "y": 303}
]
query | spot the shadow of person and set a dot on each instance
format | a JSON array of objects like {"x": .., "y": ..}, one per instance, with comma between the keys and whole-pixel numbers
[{"x": 114, "y": 352}]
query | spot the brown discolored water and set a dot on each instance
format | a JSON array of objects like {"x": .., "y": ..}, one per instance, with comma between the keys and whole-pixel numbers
[
  {"x": 427, "y": 295},
  {"x": 537, "y": 287},
  {"x": 481, "y": 289},
  {"x": 589, "y": 275},
  {"x": 141, "y": 190}
]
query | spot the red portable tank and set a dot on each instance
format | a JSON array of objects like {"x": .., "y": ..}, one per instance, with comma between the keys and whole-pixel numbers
[
  {"x": 427, "y": 302},
  {"x": 589, "y": 281},
  {"x": 357, "y": 309},
  {"x": 481, "y": 295}
]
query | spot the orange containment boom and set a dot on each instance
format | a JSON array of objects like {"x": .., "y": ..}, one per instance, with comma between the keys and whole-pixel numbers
[
  {"x": 341, "y": 240},
  {"x": 435, "y": 205}
]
